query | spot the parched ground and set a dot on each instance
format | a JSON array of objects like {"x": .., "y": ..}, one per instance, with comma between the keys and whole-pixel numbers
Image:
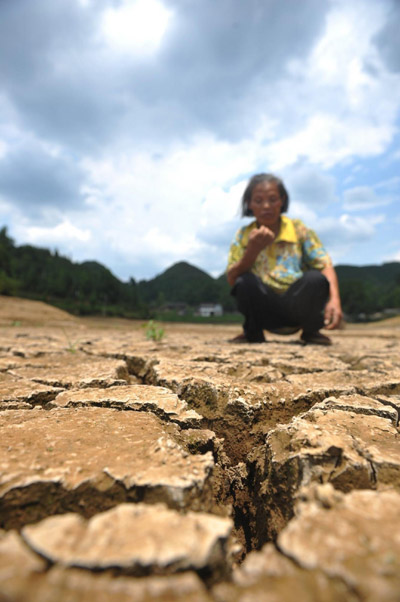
[{"x": 193, "y": 469}]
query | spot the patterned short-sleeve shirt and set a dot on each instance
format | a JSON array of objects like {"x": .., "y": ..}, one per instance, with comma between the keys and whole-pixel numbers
[{"x": 295, "y": 250}]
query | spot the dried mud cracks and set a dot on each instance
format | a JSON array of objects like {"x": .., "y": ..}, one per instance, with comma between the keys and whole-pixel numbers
[{"x": 197, "y": 470}]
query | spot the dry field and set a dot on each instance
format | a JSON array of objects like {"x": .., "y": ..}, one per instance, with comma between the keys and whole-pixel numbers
[{"x": 193, "y": 469}]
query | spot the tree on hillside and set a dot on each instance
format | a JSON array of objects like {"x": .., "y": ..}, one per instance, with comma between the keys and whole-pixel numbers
[
  {"x": 6, "y": 249},
  {"x": 359, "y": 297},
  {"x": 8, "y": 284}
]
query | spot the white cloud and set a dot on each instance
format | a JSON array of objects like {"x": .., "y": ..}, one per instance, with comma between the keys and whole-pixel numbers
[
  {"x": 3, "y": 148},
  {"x": 328, "y": 139},
  {"x": 136, "y": 26},
  {"x": 363, "y": 197},
  {"x": 345, "y": 99},
  {"x": 311, "y": 186},
  {"x": 359, "y": 227},
  {"x": 394, "y": 257},
  {"x": 63, "y": 233},
  {"x": 348, "y": 228},
  {"x": 220, "y": 206},
  {"x": 300, "y": 210},
  {"x": 391, "y": 184}
]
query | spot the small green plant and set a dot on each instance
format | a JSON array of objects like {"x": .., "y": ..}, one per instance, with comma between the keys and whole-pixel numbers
[
  {"x": 154, "y": 331},
  {"x": 71, "y": 345}
]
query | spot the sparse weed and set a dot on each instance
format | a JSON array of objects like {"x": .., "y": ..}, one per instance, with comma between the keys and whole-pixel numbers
[
  {"x": 154, "y": 331},
  {"x": 71, "y": 345}
]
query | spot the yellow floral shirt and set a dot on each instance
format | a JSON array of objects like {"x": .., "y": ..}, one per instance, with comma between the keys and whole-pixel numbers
[{"x": 295, "y": 250}]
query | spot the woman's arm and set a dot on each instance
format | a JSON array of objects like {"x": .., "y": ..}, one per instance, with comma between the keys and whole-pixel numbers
[
  {"x": 258, "y": 240},
  {"x": 241, "y": 266},
  {"x": 333, "y": 309}
]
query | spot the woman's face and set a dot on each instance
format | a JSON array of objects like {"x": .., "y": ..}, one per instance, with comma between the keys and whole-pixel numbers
[{"x": 266, "y": 204}]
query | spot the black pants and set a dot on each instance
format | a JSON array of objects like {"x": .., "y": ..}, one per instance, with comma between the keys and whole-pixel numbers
[{"x": 301, "y": 305}]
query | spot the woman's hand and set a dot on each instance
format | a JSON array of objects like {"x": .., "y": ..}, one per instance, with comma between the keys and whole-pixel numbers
[
  {"x": 333, "y": 309},
  {"x": 260, "y": 238},
  {"x": 333, "y": 314}
]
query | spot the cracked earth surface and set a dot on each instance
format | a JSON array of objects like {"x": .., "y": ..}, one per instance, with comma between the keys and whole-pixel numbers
[{"x": 193, "y": 469}]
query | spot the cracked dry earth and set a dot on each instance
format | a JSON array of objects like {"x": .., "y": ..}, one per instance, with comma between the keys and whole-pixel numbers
[{"x": 194, "y": 469}]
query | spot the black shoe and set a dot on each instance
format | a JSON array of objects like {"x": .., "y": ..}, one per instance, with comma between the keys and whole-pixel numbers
[{"x": 315, "y": 338}]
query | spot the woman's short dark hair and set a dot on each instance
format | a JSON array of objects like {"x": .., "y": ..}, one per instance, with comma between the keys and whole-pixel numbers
[{"x": 258, "y": 179}]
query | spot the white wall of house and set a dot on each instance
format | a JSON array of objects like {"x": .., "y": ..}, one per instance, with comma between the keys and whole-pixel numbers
[{"x": 210, "y": 309}]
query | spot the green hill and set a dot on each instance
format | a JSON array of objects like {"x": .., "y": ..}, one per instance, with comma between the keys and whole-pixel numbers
[
  {"x": 185, "y": 283},
  {"x": 375, "y": 274},
  {"x": 181, "y": 282},
  {"x": 369, "y": 289},
  {"x": 81, "y": 288}
]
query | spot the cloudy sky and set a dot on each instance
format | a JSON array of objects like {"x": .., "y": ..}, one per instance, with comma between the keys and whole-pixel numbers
[{"x": 129, "y": 128}]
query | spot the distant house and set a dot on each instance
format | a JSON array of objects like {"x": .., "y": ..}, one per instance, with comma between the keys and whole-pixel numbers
[
  {"x": 391, "y": 311},
  {"x": 209, "y": 309}
]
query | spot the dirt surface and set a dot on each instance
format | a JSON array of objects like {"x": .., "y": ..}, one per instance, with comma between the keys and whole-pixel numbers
[{"x": 193, "y": 468}]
